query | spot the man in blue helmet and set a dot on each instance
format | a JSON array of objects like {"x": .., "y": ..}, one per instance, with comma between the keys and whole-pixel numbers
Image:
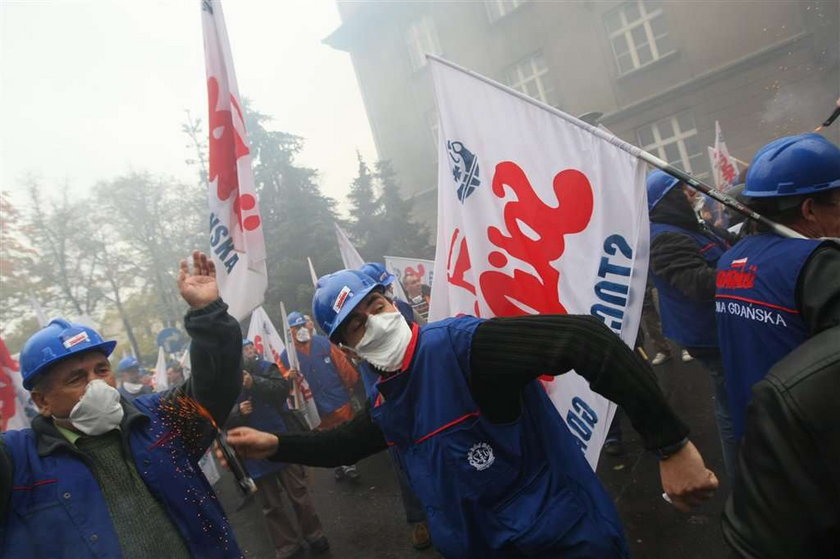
[
  {"x": 773, "y": 293},
  {"x": 331, "y": 377},
  {"x": 99, "y": 476},
  {"x": 262, "y": 404},
  {"x": 684, "y": 251},
  {"x": 131, "y": 379},
  {"x": 485, "y": 450}
]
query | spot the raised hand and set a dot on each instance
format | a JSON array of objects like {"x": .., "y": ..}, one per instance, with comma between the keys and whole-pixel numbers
[
  {"x": 685, "y": 478},
  {"x": 199, "y": 287}
]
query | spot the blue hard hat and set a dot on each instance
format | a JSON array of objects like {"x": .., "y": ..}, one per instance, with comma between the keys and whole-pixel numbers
[
  {"x": 296, "y": 319},
  {"x": 794, "y": 165},
  {"x": 128, "y": 362},
  {"x": 56, "y": 341},
  {"x": 659, "y": 183},
  {"x": 377, "y": 273},
  {"x": 246, "y": 341},
  {"x": 336, "y": 296}
]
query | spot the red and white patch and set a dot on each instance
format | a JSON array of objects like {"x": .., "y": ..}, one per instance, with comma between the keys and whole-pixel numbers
[
  {"x": 740, "y": 263},
  {"x": 76, "y": 340},
  {"x": 342, "y": 298}
]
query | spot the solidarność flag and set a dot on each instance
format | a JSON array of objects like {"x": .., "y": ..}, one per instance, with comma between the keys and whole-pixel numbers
[
  {"x": 536, "y": 215},
  {"x": 236, "y": 234}
]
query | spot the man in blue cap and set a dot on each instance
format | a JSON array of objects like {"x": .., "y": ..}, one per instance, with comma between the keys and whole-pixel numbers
[
  {"x": 99, "y": 476},
  {"x": 773, "y": 293},
  {"x": 684, "y": 251},
  {"x": 131, "y": 379},
  {"x": 494, "y": 464}
]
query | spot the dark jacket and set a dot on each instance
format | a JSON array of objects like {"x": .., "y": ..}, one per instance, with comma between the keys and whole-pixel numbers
[
  {"x": 786, "y": 498},
  {"x": 676, "y": 258}
]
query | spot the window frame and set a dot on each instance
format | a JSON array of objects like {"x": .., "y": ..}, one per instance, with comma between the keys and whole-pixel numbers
[
  {"x": 679, "y": 137},
  {"x": 625, "y": 31},
  {"x": 544, "y": 87},
  {"x": 417, "y": 45},
  {"x": 499, "y": 9}
]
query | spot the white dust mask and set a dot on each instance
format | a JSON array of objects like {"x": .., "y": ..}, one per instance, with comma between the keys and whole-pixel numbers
[
  {"x": 99, "y": 410},
  {"x": 386, "y": 338},
  {"x": 303, "y": 335}
]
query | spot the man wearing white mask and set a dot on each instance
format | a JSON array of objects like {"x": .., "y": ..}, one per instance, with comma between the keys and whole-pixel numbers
[
  {"x": 485, "y": 450},
  {"x": 331, "y": 377},
  {"x": 99, "y": 476}
]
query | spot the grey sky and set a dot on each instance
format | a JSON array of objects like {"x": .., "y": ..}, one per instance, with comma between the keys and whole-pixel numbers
[{"x": 90, "y": 89}]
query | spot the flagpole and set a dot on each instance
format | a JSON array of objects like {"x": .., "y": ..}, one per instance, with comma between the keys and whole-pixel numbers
[{"x": 635, "y": 151}]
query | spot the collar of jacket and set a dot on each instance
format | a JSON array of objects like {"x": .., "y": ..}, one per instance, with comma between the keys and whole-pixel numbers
[{"x": 50, "y": 440}]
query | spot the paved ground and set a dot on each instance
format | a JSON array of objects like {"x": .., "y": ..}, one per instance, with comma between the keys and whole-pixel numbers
[{"x": 365, "y": 519}]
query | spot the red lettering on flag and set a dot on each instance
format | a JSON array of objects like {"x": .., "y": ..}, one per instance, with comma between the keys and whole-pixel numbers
[{"x": 540, "y": 243}]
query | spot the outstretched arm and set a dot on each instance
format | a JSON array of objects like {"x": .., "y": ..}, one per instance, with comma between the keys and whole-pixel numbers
[
  {"x": 508, "y": 353},
  {"x": 346, "y": 444}
]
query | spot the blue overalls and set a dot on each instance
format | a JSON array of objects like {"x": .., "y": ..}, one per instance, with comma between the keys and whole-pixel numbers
[
  {"x": 519, "y": 489},
  {"x": 319, "y": 371},
  {"x": 758, "y": 317},
  {"x": 57, "y": 508},
  {"x": 689, "y": 323}
]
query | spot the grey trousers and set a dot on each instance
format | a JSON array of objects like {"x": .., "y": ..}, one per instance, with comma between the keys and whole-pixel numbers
[{"x": 291, "y": 480}]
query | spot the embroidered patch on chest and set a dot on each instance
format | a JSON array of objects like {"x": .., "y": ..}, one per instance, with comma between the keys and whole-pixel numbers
[{"x": 480, "y": 456}]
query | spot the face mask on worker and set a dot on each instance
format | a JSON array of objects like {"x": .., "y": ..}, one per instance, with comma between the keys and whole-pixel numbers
[
  {"x": 386, "y": 338},
  {"x": 302, "y": 335},
  {"x": 99, "y": 410}
]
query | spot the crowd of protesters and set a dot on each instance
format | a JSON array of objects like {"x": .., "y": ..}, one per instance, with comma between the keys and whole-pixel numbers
[{"x": 486, "y": 465}]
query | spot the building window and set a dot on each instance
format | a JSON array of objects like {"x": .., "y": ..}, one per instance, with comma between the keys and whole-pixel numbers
[
  {"x": 674, "y": 139},
  {"x": 422, "y": 38},
  {"x": 497, "y": 9},
  {"x": 530, "y": 76},
  {"x": 637, "y": 34}
]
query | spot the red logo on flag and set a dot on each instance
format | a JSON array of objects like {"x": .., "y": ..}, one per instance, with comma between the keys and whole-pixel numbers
[
  {"x": 226, "y": 147},
  {"x": 535, "y": 234}
]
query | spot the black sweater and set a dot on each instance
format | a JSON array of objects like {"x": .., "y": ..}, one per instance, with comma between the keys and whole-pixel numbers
[{"x": 506, "y": 354}]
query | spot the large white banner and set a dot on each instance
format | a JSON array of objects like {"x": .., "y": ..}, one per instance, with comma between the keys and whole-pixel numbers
[
  {"x": 270, "y": 345},
  {"x": 236, "y": 234},
  {"x": 536, "y": 216}
]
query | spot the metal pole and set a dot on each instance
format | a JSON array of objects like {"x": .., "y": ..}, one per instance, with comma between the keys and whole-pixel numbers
[{"x": 637, "y": 152}]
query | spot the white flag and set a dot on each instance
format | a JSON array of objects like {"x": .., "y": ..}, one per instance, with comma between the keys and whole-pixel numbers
[
  {"x": 312, "y": 273},
  {"x": 724, "y": 166},
  {"x": 236, "y": 234},
  {"x": 350, "y": 257},
  {"x": 160, "y": 381},
  {"x": 270, "y": 345},
  {"x": 536, "y": 216}
]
